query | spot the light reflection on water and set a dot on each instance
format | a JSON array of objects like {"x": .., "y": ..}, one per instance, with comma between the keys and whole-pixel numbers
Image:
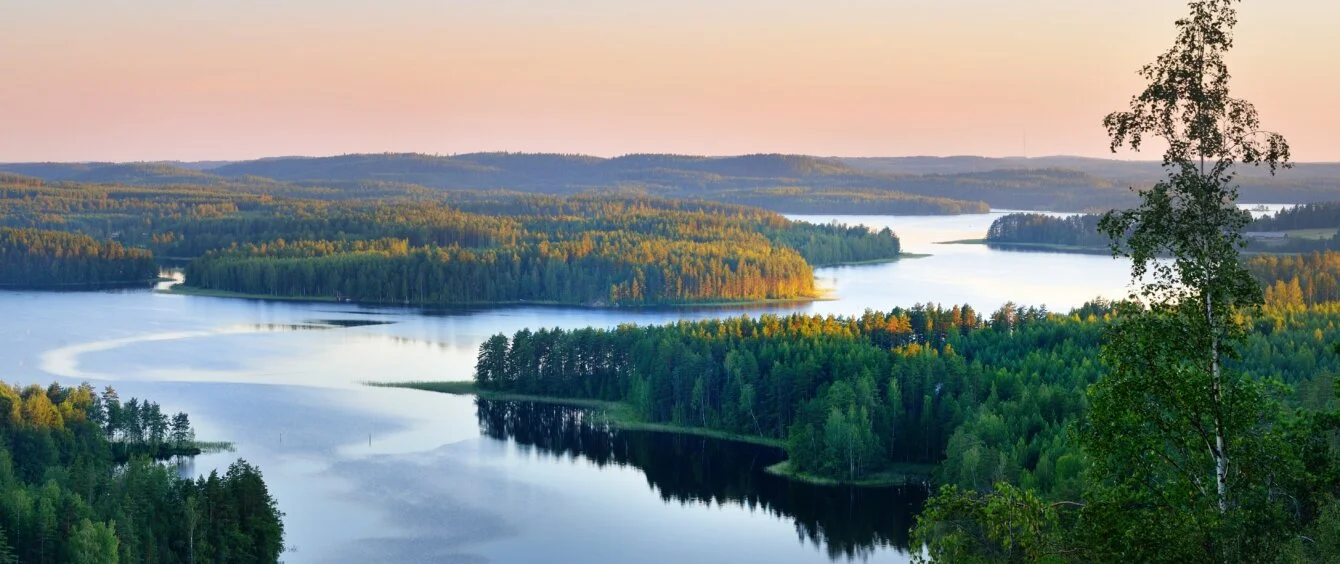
[{"x": 376, "y": 474}]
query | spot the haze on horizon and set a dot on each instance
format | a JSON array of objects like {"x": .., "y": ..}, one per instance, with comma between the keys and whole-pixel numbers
[{"x": 168, "y": 80}]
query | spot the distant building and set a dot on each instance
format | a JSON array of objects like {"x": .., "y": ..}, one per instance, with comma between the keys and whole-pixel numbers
[{"x": 1265, "y": 234}]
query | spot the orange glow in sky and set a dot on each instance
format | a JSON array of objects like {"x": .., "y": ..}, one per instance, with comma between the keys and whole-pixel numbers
[{"x": 160, "y": 79}]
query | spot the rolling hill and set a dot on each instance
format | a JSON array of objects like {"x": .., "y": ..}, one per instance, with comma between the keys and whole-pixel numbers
[{"x": 785, "y": 183}]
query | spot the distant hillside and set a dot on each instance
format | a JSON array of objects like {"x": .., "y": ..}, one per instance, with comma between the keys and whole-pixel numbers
[
  {"x": 784, "y": 183},
  {"x": 146, "y": 173},
  {"x": 1107, "y": 168},
  {"x": 400, "y": 167},
  {"x": 545, "y": 172},
  {"x": 54, "y": 172},
  {"x": 114, "y": 173},
  {"x": 1304, "y": 183}
]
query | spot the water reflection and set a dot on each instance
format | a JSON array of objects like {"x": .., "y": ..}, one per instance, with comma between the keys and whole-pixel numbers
[
  {"x": 847, "y": 522},
  {"x": 425, "y": 487},
  {"x": 347, "y": 322}
]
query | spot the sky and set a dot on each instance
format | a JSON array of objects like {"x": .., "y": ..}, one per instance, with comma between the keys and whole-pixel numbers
[{"x": 135, "y": 80}]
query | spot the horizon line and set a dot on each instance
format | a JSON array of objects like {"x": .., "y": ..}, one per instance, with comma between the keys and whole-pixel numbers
[{"x": 605, "y": 157}]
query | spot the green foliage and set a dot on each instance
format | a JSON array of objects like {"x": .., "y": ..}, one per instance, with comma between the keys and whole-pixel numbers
[
  {"x": 1009, "y": 525},
  {"x": 1179, "y": 443},
  {"x": 576, "y": 250},
  {"x": 1192, "y": 454},
  {"x": 739, "y": 375},
  {"x": 31, "y": 258},
  {"x": 1082, "y": 231},
  {"x": 1153, "y": 441},
  {"x": 835, "y": 243},
  {"x": 483, "y": 248},
  {"x": 1304, "y": 216},
  {"x": 77, "y": 485},
  {"x": 94, "y": 543},
  {"x": 850, "y": 396},
  {"x": 932, "y": 385},
  {"x": 1075, "y": 230}
]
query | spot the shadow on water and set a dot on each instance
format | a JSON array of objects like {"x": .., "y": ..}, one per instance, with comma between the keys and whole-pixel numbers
[
  {"x": 847, "y": 522},
  {"x": 347, "y": 322}
]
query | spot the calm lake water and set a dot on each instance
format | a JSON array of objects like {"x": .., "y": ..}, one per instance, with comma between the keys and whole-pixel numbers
[{"x": 388, "y": 475}]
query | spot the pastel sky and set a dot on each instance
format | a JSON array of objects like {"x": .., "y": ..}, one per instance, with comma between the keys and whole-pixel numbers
[{"x": 195, "y": 80}]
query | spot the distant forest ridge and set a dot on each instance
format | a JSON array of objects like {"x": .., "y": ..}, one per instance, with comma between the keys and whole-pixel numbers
[{"x": 783, "y": 183}]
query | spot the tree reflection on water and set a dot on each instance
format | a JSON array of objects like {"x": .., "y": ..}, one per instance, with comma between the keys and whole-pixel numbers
[{"x": 848, "y": 522}]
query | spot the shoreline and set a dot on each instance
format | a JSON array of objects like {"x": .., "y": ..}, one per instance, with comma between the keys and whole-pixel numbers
[
  {"x": 1077, "y": 250},
  {"x": 620, "y": 415},
  {"x": 901, "y": 256},
  {"x": 820, "y": 294},
  {"x": 184, "y": 290},
  {"x": 897, "y": 475},
  {"x": 85, "y": 286},
  {"x": 1040, "y": 247}
]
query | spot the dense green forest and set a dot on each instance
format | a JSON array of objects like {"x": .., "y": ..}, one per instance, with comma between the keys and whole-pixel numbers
[
  {"x": 31, "y": 258},
  {"x": 1211, "y": 435},
  {"x": 1081, "y": 231},
  {"x": 1035, "y": 228},
  {"x": 588, "y": 250},
  {"x": 470, "y": 248},
  {"x": 78, "y": 484},
  {"x": 1319, "y": 215},
  {"x": 985, "y": 397},
  {"x": 1311, "y": 227}
]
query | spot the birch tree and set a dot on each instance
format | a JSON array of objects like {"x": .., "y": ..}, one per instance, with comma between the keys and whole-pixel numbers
[{"x": 1176, "y": 438}]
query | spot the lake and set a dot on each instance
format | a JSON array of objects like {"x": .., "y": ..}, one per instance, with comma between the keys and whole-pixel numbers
[{"x": 391, "y": 475}]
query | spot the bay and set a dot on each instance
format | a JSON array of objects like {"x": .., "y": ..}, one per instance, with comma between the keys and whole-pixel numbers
[{"x": 391, "y": 475}]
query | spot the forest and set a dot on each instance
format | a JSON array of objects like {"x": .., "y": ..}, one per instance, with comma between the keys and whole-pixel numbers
[
  {"x": 1080, "y": 232},
  {"x": 784, "y": 183},
  {"x": 983, "y": 396},
  {"x": 415, "y": 249},
  {"x": 32, "y": 258},
  {"x": 1317, "y": 215},
  {"x": 1211, "y": 435},
  {"x": 79, "y": 484},
  {"x": 584, "y": 250},
  {"x": 1035, "y": 228},
  {"x": 1297, "y": 281},
  {"x": 986, "y": 398}
]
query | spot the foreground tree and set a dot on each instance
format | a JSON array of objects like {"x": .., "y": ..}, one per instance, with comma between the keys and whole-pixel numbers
[
  {"x": 1174, "y": 437},
  {"x": 1188, "y": 459}
]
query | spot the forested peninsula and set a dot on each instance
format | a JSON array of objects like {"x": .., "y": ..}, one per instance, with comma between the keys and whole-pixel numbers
[
  {"x": 979, "y": 397},
  {"x": 396, "y": 245},
  {"x": 79, "y": 484},
  {"x": 579, "y": 250},
  {"x": 990, "y": 402},
  {"x": 1300, "y": 229},
  {"x": 32, "y": 258}
]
